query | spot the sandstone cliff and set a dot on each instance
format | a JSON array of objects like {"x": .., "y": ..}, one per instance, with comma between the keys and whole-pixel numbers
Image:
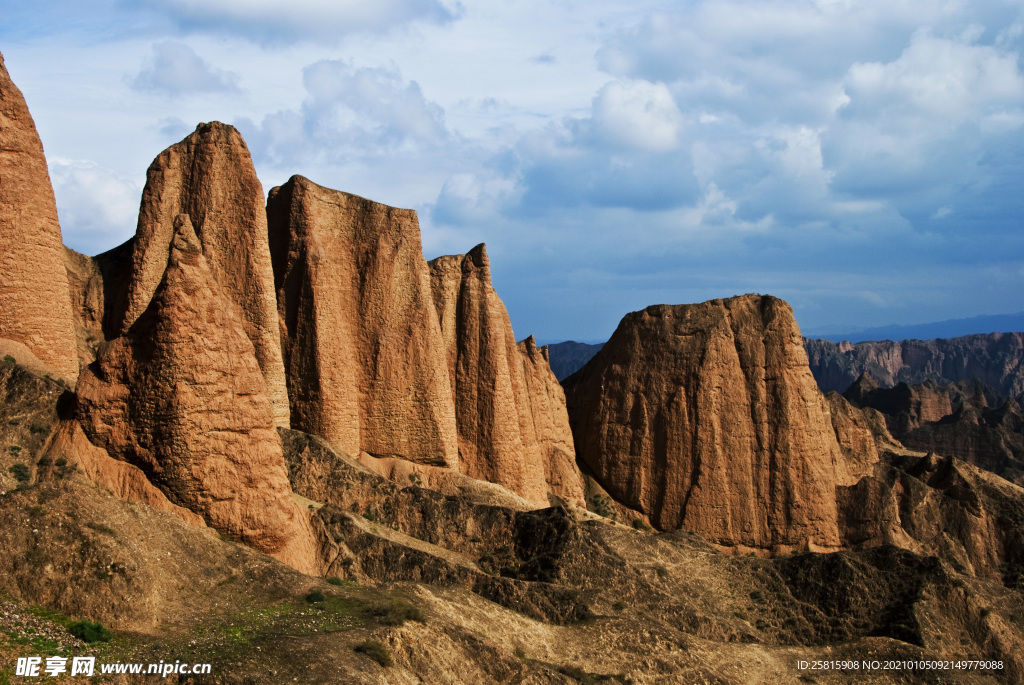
[
  {"x": 210, "y": 177},
  {"x": 35, "y": 309},
  {"x": 707, "y": 417},
  {"x": 512, "y": 426},
  {"x": 362, "y": 345},
  {"x": 996, "y": 359},
  {"x": 181, "y": 396}
]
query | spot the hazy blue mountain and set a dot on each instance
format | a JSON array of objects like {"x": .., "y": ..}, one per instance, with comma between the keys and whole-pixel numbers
[{"x": 952, "y": 328}]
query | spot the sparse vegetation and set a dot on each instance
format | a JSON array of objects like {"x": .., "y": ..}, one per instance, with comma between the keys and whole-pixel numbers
[
  {"x": 90, "y": 631},
  {"x": 315, "y": 597},
  {"x": 8, "y": 359},
  {"x": 394, "y": 612},
  {"x": 335, "y": 580},
  {"x": 376, "y": 651},
  {"x": 414, "y": 478},
  {"x": 20, "y": 472},
  {"x": 38, "y": 428}
]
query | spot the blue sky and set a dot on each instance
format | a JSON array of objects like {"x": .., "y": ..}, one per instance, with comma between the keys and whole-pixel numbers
[{"x": 862, "y": 160}]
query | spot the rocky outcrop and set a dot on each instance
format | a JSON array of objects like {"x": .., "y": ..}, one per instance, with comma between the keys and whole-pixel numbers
[
  {"x": 35, "y": 309},
  {"x": 362, "y": 346},
  {"x": 967, "y": 420},
  {"x": 182, "y": 397},
  {"x": 939, "y": 506},
  {"x": 707, "y": 417},
  {"x": 210, "y": 177},
  {"x": 512, "y": 427},
  {"x": 996, "y": 359}
]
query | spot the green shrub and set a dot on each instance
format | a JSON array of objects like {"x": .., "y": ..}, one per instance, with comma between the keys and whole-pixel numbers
[
  {"x": 756, "y": 595},
  {"x": 8, "y": 359},
  {"x": 39, "y": 428},
  {"x": 376, "y": 651},
  {"x": 20, "y": 472},
  {"x": 14, "y": 422},
  {"x": 90, "y": 631},
  {"x": 335, "y": 580},
  {"x": 315, "y": 596}
]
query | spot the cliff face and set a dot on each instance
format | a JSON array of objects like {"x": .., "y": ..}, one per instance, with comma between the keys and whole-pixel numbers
[
  {"x": 35, "y": 309},
  {"x": 996, "y": 359},
  {"x": 362, "y": 345},
  {"x": 181, "y": 397},
  {"x": 707, "y": 417},
  {"x": 966, "y": 420},
  {"x": 512, "y": 426},
  {"x": 210, "y": 177}
]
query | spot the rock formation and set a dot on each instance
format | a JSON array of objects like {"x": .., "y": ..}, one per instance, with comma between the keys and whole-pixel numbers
[
  {"x": 35, "y": 309},
  {"x": 362, "y": 345},
  {"x": 996, "y": 359},
  {"x": 181, "y": 396},
  {"x": 966, "y": 420},
  {"x": 512, "y": 426},
  {"x": 707, "y": 417},
  {"x": 210, "y": 177}
]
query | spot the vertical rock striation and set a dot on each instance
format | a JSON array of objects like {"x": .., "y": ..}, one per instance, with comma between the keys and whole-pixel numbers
[
  {"x": 181, "y": 396},
  {"x": 362, "y": 345},
  {"x": 35, "y": 307},
  {"x": 509, "y": 408},
  {"x": 210, "y": 177},
  {"x": 707, "y": 417}
]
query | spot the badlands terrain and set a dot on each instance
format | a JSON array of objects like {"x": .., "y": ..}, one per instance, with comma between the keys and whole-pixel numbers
[{"x": 266, "y": 434}]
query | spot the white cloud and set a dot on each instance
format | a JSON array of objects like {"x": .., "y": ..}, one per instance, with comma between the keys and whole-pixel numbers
[
  {"x": 638, "y": 114},
  {"x": 322, "y": 21},
  {"x": 176, "y": 69},
  {"x": 941, "y": 79},
  {"x": 95, "y": 205},
  {"x": 349, "y": 112}
]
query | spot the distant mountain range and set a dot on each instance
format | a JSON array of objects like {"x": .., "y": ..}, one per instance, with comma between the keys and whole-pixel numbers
[{"x": 951, "y": 328}]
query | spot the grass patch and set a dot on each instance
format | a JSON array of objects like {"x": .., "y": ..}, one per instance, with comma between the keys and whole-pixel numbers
[
  {"x": 90, "y": 631},
  {"x": 394, "y": 612},
  {"x": 376, "y": 651},
  {"x": 335, "y": 580}
]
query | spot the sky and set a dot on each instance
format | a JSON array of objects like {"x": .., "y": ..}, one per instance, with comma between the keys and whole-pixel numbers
[{"x": 862, "y": 160}]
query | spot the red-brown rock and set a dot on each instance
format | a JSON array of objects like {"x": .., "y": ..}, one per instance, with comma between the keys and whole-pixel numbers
[
  {"x": 362, "y": 345},
  {"x": 210, "y": 177},
  {"x": 35, "y": 309},
  {"x": 707, "y": 417},
  {"x": 181, "y": 396},
  {"x": 512, "y": 425}
]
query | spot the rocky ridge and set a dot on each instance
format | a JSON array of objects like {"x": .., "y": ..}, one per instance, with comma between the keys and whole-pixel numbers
[
  {"x": 994, "y": 359},
  {"x": 509, "y": 408},
  {"x": 35, "y": 310}
]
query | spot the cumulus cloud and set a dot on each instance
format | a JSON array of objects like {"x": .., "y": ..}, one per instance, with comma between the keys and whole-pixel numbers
[
  {"x": 175, "y": 69},
  {"x": 95, "y": 205},
  {"x": 323, "y": 21},
  {"x": 349, "y": 112}
]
